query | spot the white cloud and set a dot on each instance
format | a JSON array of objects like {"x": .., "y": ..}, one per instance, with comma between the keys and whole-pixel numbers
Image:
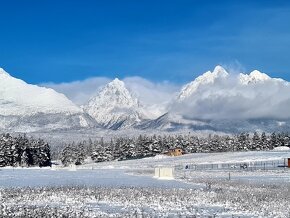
[
  {"x": 79, "y": 91},
  {"x": 155, "y": 97},
  {"x": 229, "y": 99}
]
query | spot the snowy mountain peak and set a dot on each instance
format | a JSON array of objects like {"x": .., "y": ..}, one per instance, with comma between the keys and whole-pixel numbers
[
  {"x": 118, "y": 84},
  {"x": 220, "y": 71},
  {"x": 254, "y": 77},
  {"x": 117, "y": 94},
  {"x": 206, "y": 78},
  {"x": 259, "y": 75},
  {"x": 114, "y": 105},
  {"x": 19, "y": 98}
]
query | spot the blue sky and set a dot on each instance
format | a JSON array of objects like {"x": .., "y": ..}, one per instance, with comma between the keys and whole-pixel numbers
[{"x": 62, "y": 41}]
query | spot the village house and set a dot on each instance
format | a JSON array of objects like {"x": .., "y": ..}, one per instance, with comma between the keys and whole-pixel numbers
[{"x": 174, "y": 152}]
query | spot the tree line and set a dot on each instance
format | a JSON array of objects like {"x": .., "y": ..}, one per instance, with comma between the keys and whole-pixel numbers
[
  {"x": 23, "y": 151},
  {"x": 124, "y": 148}
]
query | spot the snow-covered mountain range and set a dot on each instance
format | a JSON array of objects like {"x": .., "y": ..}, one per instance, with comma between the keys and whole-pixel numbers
[{"x": 217, "y": 101}]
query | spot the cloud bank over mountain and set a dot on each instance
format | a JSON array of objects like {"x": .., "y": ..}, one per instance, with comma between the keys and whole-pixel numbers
[
  {"x": 220, "y": 95},
  {"x": 213, "y": 95},
  {"x": 216, "y": 100},
  {"x": 79, "y": 91},
  {"x": 154, "y": 96}
]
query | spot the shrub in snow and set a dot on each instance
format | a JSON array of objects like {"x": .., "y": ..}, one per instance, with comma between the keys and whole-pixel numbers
[{"x": 219, "y": 199}]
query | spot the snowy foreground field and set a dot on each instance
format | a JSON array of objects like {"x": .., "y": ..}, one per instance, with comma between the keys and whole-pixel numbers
[{"x": 204, "y": 185}]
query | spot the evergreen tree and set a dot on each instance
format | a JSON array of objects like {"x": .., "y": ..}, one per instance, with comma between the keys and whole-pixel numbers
[
  {"x": 265, "y": 142},
  {"x": 256, "y": 142},
  {"x": 21, "y": 151}
]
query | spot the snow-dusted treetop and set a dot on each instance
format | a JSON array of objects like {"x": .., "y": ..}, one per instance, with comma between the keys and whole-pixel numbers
[{"x": 19, "y": 98}]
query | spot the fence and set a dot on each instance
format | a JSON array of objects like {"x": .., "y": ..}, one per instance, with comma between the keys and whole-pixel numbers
[{"x": 251, "y": 165}]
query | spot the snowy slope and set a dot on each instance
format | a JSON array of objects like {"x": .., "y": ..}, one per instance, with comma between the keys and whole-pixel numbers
[
  {"x": 20, "y": 98},
  {"x": 256, "y": 77},
  {"x": 174, "y": 122},
  {"x": 253, "y": 78},
  {"x": 205, "y": 79},
  {"x": 26, "y": 107},
  {"x": 115, "y": 107}
]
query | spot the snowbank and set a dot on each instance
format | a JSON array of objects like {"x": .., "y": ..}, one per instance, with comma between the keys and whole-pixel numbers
[{"x": 281, "y": 148}]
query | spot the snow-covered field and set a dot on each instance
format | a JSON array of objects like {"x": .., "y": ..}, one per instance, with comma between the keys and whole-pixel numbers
[
  {"x": 97, "y": 177},
  {"x": 128, "y": 189},
  {"x": 196, "y": 159}
]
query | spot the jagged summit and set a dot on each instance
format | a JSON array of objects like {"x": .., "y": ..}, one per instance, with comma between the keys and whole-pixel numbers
[
  {"x": 114, "y": 106},
  {"x": 116, "y": 94},
  {"x": 206, "y": 78},
  {"x": 259, "y": 75},
  {"x": 116, "y": 82},
  {"x": 220, "y": 71},
  {"x": 254, "y": 77}
]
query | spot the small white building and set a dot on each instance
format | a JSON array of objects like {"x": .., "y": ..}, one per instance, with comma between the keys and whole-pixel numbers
[
  {"x": 164, "y": 173},
  {"x": 287, "y": 162},
  {"x": 72, "y": 167}
]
